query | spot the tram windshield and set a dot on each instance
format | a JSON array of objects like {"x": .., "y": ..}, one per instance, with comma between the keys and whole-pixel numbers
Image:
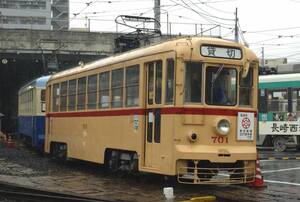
[{"x": 221, "y": 86}]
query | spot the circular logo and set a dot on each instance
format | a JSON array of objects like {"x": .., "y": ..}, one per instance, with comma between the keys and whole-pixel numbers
[{"x": 246, "y": 123}]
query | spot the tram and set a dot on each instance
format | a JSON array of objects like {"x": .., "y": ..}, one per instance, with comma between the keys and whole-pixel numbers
[
  {"x": 279, "y": 107},
  {"x": 31, "y": 112},
  {"x": 184, "y": 108}
]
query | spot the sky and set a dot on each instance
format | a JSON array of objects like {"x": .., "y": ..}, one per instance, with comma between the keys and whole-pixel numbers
[{"x": 271, "y": 24}]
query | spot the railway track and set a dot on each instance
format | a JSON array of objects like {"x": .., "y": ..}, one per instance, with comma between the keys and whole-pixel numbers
[{"x": 17, "y": 192}]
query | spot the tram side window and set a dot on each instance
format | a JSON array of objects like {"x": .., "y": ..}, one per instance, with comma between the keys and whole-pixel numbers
[
  {"x": 117, "y": 88},
  {"x": 150, "y": 83},
  {"x": 104, "y": 89},
  {"x": 72, "y": 95},
  {"x": 154, "y": 82},
  {"x": 63, "y": 96},
  {"x": 55, "y": 98},
  {"x": 25, "y": 102},
  {"x": 246, "y": 88},
  {"x": 43, "y": 100},
  {"x": 31, "y": 101},
  {"x": 92, "y": 92},
  {"x": 277, "y": 100},
  {"x": 28, "y": 102},
  {"x": 193, "y": 80},
  {"x": 158, "y": 82},
  {"x": 170, "y": 82},
  {"x": 296, "y": 99},
  {"x": 81, "y": 93},
  {"x": 132, "y": 86},
  {"x": 262, "y": 101}
]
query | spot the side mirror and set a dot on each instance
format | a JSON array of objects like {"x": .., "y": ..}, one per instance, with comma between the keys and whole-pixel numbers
[{"x": 245, "y": 69}]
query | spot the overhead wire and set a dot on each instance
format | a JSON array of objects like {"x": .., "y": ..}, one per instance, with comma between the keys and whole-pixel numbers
[
  {"x": 203, "y": 15},
  {"x": 208, "y": 14},
  {"x": 87, "y": 5},
  {"x": 241, "y": 33},
  {"x": 216, "y": 9},
  {"x": 221, "y": 1},
  {"x": 271, "y": 30}
]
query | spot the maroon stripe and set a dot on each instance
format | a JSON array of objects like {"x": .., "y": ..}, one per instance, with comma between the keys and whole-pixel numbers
[
  {"x": 171, "y": 110},
  {"x": 204, "y": 111}
]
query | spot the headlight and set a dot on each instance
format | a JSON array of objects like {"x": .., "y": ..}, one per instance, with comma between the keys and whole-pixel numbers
[
  {"x": 223, "y": 127},
  {"x": 193, "y": 137}
]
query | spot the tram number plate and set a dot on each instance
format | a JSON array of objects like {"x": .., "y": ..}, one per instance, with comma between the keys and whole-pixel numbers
[{"x": 219, "y": 139}]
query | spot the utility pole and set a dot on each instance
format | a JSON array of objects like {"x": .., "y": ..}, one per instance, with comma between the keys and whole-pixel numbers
[
  {"x": 157, "y": 13},
  {"x": 236, "y": 29}
]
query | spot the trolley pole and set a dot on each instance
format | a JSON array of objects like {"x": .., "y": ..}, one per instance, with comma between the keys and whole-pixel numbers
[{"x": 236, "y": 29}]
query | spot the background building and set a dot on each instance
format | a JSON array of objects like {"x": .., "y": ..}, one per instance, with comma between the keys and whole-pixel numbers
[
  {"x": 60, "y": 14},
  {"x": 34, "y": 14}
]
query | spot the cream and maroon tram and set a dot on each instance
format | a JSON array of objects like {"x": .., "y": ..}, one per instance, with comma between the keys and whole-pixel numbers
[{"x": 185, "y": 108}]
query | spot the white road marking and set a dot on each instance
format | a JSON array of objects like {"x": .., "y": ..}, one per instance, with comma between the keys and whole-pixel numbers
[
  {"x": 279, "y": 182},
  {"x": 269, "y": 160},
  {"x": 280, "y": 170}
]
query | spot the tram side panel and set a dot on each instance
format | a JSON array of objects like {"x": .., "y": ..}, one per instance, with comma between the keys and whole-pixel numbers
[{"x": 31, "y": 119}]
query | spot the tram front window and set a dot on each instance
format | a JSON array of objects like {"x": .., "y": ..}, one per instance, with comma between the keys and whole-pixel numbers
[
  {"x": 193, "y": 80},
  {"x": 221, "y": 86}
]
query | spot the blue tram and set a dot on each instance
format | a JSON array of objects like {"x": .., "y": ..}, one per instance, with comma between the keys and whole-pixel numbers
[{"x": 31, "y": 112}]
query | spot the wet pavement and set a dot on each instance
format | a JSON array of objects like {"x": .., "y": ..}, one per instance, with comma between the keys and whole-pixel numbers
[
  {"x": 269, "y": 154},
  {"x": 28, "y": 168}
]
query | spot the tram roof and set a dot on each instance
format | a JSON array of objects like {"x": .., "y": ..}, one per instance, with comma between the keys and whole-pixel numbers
[
  {"x": 152, "y": 49},
  {"x": 38, "y": 82},
  {"x": 279, "y": 81}
]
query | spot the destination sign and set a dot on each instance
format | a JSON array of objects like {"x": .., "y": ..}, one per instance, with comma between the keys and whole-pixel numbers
[{"x": 220, "y": 52}]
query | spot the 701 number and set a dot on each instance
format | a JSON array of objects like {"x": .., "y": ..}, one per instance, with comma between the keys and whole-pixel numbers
[{"x": 219, "y": 139}]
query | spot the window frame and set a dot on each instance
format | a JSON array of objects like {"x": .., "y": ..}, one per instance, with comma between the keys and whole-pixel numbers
[
  {"x": 170, "y": 101},
  {"x": 210, "y": 66},
  {"x": 117, "y": 88},
  {"x": 132, "y": 84},
  {"x": 279, "y": 102},
  {"x": 81, "y": 93},
  {"x": 92, "y": 90},
  {"x": 72, "y": 95},
  {"x": 107, "y": 89},
  {"x": 201, "y": 83},
  {"x": 250, "y": 87},
  {"x": 63, "y": 106},
  {"x": 55, "y": 97}
]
